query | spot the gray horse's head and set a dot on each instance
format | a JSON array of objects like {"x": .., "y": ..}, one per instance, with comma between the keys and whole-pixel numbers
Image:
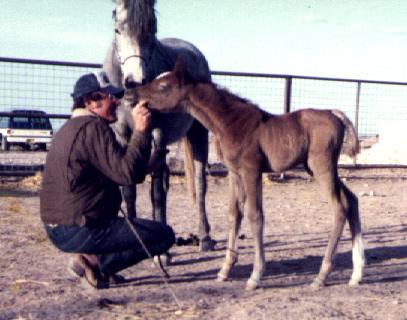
[{"x": 135, "y": 37}]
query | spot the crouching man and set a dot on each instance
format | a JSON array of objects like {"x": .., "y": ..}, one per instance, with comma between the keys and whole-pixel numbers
[{"x": 80, "y": 197}]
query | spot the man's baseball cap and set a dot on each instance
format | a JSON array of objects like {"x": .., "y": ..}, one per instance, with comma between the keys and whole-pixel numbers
[{"x": 93, "y": 82}]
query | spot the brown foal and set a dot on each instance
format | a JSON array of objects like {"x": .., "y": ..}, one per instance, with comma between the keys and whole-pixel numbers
[{"x": 253, "y": 141}]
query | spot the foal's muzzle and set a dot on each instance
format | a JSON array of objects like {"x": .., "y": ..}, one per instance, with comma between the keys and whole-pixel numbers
[{"x": 129, "y": 83}]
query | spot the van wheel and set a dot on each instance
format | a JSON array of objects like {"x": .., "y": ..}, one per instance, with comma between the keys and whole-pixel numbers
[
  {"x": 42, "y": 146},
  {"x": 5, "y": 146}
]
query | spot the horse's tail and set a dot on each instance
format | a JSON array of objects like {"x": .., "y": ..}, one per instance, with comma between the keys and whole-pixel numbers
[
  {"x": 189, "y": 168},
  {"x": 351, "y": 137}
]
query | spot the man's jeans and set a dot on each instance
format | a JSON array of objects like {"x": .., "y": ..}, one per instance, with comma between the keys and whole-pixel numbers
[{"x": 114, "y": 243}]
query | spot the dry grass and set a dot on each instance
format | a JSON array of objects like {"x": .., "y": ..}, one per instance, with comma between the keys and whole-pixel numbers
[{"x": 13, "y": 206}]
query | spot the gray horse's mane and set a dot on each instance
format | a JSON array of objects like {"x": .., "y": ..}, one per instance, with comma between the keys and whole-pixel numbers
[{"x": 141, "y": 18}]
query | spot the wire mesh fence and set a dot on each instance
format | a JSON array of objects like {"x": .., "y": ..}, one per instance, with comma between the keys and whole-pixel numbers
[
  {"x": 46, "y": 86},
  {"x": 42, "y": 85}
]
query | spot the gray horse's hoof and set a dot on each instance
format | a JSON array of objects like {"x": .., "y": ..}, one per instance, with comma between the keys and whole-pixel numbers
[
  {"x": 207, "y": 244},
  {"x": 165, "y": 259}
]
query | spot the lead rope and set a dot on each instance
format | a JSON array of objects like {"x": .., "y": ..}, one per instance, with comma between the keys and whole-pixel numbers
[{"x": 164, "y": 274}]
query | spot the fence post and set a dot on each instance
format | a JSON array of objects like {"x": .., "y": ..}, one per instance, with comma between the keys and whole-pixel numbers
[
  {"x": 359, "y": 86},
  {"x": 287, "y": 94}
]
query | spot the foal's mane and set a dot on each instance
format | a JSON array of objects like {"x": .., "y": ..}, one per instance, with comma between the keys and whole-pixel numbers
[
  {"x": 141, "y": 18},
  {"x": 234, "y": 102},
  {"x": 235, "y": 110}
]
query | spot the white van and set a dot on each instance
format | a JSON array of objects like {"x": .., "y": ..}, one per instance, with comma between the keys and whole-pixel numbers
[{"x": 25, "y": 128}]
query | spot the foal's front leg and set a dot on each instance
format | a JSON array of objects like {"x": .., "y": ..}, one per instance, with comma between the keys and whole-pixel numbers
[
  {"x": 235, "y": 216},
  {"x": 254, "y": 212}
]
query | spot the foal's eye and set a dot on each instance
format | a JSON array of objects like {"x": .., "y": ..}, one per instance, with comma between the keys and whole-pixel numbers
[
  {"x": 162, "y": 86},
  {"x": 117, "y": 31}
]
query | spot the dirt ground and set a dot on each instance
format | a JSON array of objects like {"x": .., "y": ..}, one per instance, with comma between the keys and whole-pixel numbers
[{"x": 34, "y": 283}]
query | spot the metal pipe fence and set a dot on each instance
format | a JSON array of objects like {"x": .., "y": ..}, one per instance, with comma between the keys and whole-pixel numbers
[{"x": 46, "y": 85}]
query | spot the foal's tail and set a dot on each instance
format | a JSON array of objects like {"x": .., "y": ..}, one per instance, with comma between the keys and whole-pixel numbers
[{"x": 351, "y": 137}]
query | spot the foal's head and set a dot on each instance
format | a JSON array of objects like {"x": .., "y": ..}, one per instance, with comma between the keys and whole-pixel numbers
[{"x": 166, "y": 92}]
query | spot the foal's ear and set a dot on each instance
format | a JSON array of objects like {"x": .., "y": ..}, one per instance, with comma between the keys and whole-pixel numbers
[{"x": 181, "y": 71}]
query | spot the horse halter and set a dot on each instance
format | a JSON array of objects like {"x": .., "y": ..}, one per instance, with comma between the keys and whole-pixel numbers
[{"x": 145, "y": 60}]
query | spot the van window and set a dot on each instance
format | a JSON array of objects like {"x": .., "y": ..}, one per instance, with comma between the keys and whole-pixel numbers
[
  {"x": 41, "y": 123},
  {"x": 4, "y": 122},
  {"x": 20, "y": 123}
]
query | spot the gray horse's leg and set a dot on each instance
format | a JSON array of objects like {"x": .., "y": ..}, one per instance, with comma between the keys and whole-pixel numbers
[
  {"x": 129, "y": 195},
  {"x": 122, "y": 129},
  {"x": 198, "y": 138},
  {"x": 159, "y": 189},
  {"x": 160, "y": 181}
]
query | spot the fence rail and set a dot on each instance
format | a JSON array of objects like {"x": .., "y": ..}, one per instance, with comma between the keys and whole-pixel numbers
[{"x": 46, "y": 85}]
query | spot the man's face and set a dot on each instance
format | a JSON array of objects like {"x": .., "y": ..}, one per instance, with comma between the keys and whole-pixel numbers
[{"x": 105, "y": 107}]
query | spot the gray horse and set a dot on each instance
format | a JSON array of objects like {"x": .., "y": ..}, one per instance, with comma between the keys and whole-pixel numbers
[{"x": 136, "y": 56}]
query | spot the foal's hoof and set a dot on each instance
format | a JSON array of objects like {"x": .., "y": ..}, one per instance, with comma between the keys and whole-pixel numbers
[
  {"x": 251, "y": 285},
  {"x": 221, "y": 277},
  {"x": 354, "y": 282},
  {"x": 207, "y": 244},
  {"x": 317, "y": 284}
]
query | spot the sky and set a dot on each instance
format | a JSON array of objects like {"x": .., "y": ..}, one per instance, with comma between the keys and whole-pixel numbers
[{"x": 359, "y": 39}]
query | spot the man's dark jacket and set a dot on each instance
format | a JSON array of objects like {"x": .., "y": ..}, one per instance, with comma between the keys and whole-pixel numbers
[{"x": 84, "y": 168}]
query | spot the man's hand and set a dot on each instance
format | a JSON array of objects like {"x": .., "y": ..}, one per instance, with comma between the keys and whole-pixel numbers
[{"x": 141, "y": 116}]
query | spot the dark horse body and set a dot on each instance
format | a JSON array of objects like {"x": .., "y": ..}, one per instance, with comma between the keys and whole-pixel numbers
[
  {"x": 253, "y": 141},
  {"x": 136, "y": 56}
]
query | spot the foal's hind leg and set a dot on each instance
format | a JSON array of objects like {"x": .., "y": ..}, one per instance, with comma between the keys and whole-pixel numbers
[
  {"x": 358, "y": 256},
  {"x": 329, "y": 183},
  {"x": 345, "y": 206}
]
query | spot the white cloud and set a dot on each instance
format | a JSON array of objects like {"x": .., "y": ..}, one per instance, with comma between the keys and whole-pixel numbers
[
  {"x": 312, "y": 18},
  {"x": 361, "y": 27},
  {"x": 395, "y": 30}
]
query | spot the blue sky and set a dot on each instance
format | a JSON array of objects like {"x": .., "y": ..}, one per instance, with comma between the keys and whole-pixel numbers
[{"x": 364, "y": 39}]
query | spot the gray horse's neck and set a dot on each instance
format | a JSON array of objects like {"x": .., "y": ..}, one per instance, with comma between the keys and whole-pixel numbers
[{"x": 162, "y": 60}]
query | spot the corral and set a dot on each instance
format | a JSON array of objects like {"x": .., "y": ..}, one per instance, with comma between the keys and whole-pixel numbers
[{"x": 34, "y": 283}]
